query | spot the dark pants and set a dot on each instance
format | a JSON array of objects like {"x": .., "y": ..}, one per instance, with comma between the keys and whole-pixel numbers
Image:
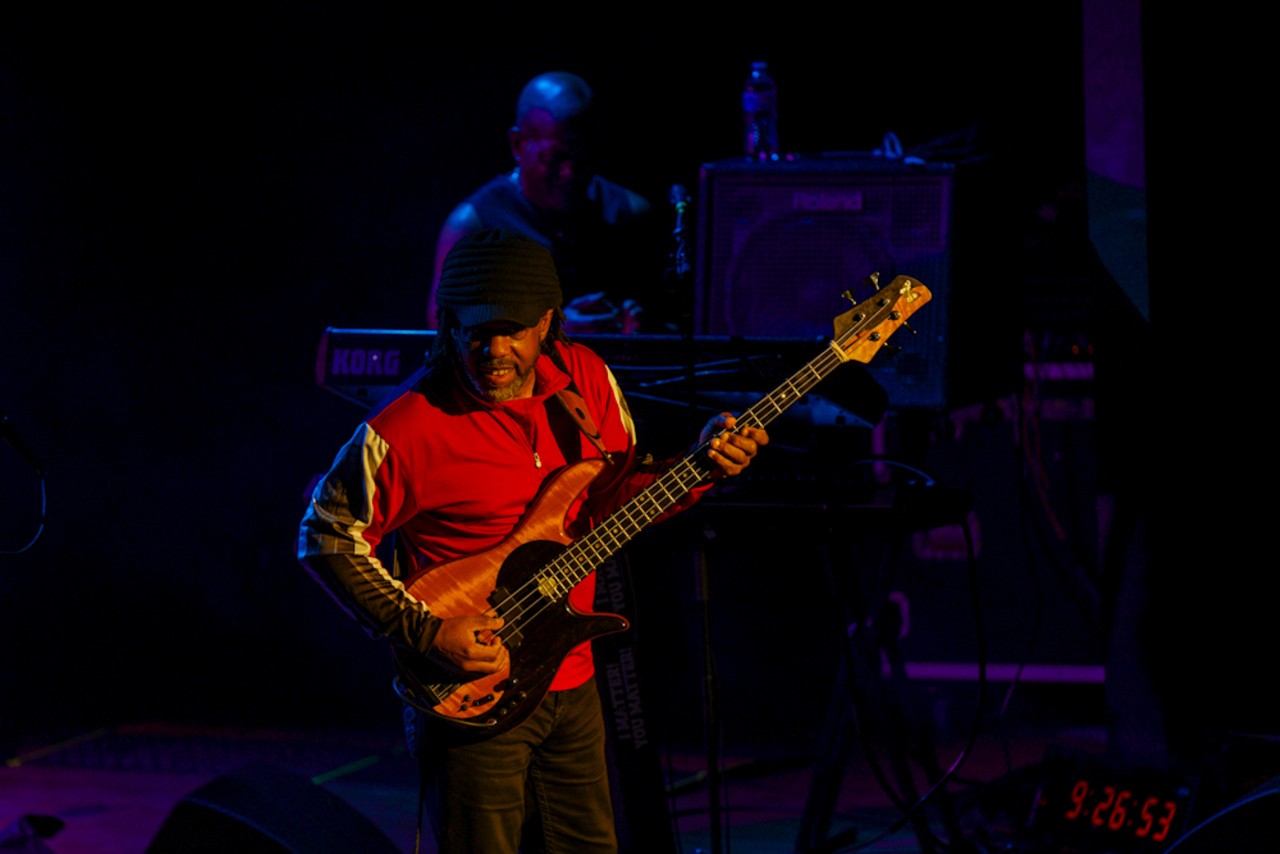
[{"x": 540, "y": 787}]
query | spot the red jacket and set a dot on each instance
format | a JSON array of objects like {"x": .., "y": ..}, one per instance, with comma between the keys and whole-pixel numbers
[{"x": 453, "y": 475}]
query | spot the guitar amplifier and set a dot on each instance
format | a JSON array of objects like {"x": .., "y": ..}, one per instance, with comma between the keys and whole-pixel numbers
[{"x": 778, "y": 243}]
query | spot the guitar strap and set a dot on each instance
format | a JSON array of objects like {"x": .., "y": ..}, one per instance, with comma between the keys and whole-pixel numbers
[
  {"x": 573, "y": 404},
  {"x": 577, "y": 409}
]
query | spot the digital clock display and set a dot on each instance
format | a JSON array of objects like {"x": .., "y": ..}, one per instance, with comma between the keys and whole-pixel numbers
[{"x": 1100, "y": 806}]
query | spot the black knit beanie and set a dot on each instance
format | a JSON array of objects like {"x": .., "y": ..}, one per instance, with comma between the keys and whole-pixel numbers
[{"x": 495, "y": 274}]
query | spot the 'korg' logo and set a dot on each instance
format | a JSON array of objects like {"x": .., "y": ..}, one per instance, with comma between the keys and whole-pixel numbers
[
  {"x": 359, "y": 362},
  {"x": 850, "y": 200}
]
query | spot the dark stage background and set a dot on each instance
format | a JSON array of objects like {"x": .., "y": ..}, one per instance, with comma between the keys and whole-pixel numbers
[{"x": 188, "y": 201}]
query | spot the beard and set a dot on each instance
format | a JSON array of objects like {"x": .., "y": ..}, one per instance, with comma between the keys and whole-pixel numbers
[{"x": 505, "y": 392}]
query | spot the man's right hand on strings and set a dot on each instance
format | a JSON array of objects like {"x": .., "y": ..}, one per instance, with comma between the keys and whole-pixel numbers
[{"x": 471, "y": 645}]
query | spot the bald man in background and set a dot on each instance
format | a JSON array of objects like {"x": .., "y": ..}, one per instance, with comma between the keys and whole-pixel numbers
[{"x": 607, "y": 240}]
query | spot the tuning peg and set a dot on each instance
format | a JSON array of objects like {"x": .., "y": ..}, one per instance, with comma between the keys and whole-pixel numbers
[{"x": 873, "y": 280}]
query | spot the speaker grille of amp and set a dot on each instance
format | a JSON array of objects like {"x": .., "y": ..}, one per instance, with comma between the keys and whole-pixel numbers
[{"x": 778, "y": 243}]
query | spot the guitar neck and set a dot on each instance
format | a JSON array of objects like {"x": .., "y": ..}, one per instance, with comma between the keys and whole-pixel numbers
[{"x": 860, "y": 333}]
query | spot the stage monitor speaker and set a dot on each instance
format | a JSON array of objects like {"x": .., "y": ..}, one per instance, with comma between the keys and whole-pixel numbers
[
  {"x": 778, "y": 243},
  {"x": 266, "y": 810}
]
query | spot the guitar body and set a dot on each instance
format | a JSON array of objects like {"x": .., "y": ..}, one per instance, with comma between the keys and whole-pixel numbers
[{"x": 542, "y": 627}]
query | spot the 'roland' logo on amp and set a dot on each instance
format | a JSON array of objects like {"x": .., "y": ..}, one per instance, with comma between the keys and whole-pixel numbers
[{"x": 823, "y": 200}]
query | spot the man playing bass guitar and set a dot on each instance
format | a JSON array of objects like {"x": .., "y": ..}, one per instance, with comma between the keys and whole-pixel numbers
[{"x": 494, "y": 466}]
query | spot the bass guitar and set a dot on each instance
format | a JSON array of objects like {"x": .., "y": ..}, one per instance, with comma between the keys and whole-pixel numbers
[{"x": 527, "y": 577}]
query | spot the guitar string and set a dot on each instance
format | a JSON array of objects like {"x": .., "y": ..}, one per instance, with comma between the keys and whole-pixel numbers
[{"x": 531, "y": 590}]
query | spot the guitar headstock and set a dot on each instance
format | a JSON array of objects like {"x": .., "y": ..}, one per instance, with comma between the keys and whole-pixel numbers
[{"x": 863, "y": 330}]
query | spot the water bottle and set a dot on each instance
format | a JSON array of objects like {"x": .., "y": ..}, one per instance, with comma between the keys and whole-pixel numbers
[{"x": 760, "y": 114}]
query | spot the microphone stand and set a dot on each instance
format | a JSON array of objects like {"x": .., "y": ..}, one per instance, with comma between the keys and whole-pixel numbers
[{"x": 679, "y": 272}]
